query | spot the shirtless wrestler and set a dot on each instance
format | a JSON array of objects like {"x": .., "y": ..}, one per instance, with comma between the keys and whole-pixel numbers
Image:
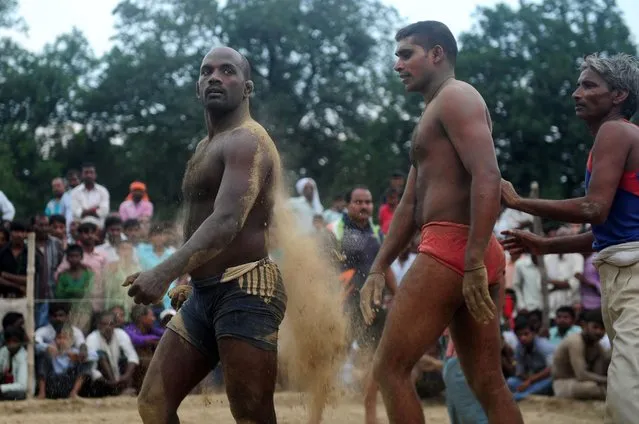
[
  {"x": 238, "y": 300},
  {"x": 453, "y": 195}
]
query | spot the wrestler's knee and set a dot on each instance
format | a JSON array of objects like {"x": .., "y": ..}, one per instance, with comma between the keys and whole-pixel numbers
[
  {"x": 250, "y": 403},
  {"x": 153, "y": 405},
  {"x": 486, "y": 385}
]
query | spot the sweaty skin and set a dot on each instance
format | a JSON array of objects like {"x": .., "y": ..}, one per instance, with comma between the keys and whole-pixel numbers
[
  {"x": 454, "y": 178},
  {"x": 228, "y": 188}
]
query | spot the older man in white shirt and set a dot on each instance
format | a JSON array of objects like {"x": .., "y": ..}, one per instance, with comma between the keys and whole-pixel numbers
[{"x": 90, "y": 198}]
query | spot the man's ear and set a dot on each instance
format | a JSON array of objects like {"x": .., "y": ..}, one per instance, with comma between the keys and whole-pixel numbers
[{"x": 248, "y": 88}]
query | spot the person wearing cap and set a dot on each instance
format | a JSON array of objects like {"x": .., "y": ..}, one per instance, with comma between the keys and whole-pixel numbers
[{"x": 137, "y": 204}]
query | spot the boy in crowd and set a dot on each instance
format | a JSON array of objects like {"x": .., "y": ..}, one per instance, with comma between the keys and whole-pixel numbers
[{"x": 534, "y": 360}]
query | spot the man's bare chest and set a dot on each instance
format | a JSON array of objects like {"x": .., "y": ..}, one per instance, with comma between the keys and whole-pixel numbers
[{"x": 203, "y": 174}]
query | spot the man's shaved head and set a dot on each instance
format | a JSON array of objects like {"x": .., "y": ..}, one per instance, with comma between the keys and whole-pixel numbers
[{"x": 242, "y": 61}]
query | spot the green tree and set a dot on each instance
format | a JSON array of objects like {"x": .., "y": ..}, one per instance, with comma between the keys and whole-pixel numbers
[{"x": 525, "y": 63}]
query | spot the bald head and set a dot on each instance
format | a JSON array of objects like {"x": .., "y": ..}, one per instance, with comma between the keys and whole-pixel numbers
[{"x": 233, "y": 56}]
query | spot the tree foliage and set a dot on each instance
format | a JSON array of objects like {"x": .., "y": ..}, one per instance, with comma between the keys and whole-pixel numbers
[{"x": 325, "y": 89}]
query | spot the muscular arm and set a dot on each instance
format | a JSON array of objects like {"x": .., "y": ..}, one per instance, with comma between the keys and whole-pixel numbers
[
  {"x": 401, "y": 230},
  {"x": 609, "y": 155},
  {"x": 246, "y": 167},
  {"x": 464, "y": 118}
]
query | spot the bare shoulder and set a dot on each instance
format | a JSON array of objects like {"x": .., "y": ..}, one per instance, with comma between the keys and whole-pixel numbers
[
  {"x": 460, "y": 94},
  {"x": 617, "y": 133},
  {"x": 251, "y": 139}
]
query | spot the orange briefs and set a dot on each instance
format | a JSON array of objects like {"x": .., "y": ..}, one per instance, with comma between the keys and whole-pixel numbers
[{"x": 446, "y": 243}]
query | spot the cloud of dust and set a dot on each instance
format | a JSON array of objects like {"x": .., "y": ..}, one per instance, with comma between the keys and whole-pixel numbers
[{"x": 313, "y": 334}]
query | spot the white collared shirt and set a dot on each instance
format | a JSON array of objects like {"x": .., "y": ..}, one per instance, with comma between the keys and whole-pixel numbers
[
  {"x": 119, "y": 341},
  {"x": 82, "y": 198}
]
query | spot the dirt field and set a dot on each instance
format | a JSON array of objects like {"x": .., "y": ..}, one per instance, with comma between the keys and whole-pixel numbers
[{"x": 214, "y": 409}]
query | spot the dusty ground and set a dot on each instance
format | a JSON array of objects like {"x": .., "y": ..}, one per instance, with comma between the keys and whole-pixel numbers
[{"x": 214, "y": 409}]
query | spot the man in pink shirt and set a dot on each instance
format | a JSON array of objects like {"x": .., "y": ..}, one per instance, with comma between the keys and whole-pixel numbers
[{"x": 137, "y": 204}]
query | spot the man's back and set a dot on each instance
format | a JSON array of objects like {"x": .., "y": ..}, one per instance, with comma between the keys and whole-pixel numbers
[{"x": 204, "y": 175}]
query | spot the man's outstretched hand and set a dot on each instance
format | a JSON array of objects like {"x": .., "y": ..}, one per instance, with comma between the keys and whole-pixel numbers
[
  {"x": 521, "y": 241},
  {"x": 371, "y": 294},
  {"x": 477, "y": 297}
]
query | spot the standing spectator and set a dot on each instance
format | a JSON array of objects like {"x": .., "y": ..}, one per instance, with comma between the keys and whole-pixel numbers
[
  {"x": 137, "y": 204},
  {"x": 527, "y": 284},
  {"x": 87, "y": 237},
  {"x": 565, "y": 318},
  {"x": 590, "y": 285},
  {"x": 358, "y": 241},
  {"x": 13, "y": 270},
  {"x": 115, "y": 273},
  {"x": 13, "y": 365},
  {"x": 561, "y": 270},
  {"x": 145, "y": 336},
  {"x": 534, "y": 360},
  {"x": 403, "y": 262},
  {"x": 58, "y": 229},
  {"x": 76, "y": 281},
  {"x": 7, "y": 211},
  {"x": 117, "y": 359},
  {"x": 387, "y": 210},
  {"x": 306, "y": 205},
  {"x": 155, "y": 252},
  {"x": 49, "y": 253},
  {"x": 63, "y": 368},
  {"x": 336, "y": 210},
  {"x": 132, "y": 231},
  {"x": 581, "y": 364},
  {"x": 73, "y": 178},
  {"x": 89, "y": 198},
  {"x": 113, "y": 237},
  {"x": 61, "y": 202}
]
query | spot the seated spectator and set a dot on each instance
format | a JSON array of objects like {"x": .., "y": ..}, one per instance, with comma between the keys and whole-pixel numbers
[
  {"x": 58, "y": 318},
  {"x": 137, "y": 204},
  {"x": 581, "y": 364},
  {"x": 117, "y": 359},
  {"x": 77, "y": 280},
  {"x": 535, "y": 321},
  {"x": 508, "y": 362},
  {"x": 119, "y": 316},
  {"x": 132, "y": 231},
  {"x": 9, "y": 321},
  {"x": 145, "y": 336},
  {"x": 13, "y": 365},
  {"x": 564, "y": 325},
  {"x": 63, "y": 368},
  {"x": 534, "y": 360}
]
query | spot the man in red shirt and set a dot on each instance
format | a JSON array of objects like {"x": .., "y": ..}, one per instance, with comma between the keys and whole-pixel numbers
[{"x": 387, "y": 210}]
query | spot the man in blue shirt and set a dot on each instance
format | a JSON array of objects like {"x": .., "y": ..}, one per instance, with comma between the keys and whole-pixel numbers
[
  {"x": 564, "y": 325},
  {"x": 534, "y": 361}
]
